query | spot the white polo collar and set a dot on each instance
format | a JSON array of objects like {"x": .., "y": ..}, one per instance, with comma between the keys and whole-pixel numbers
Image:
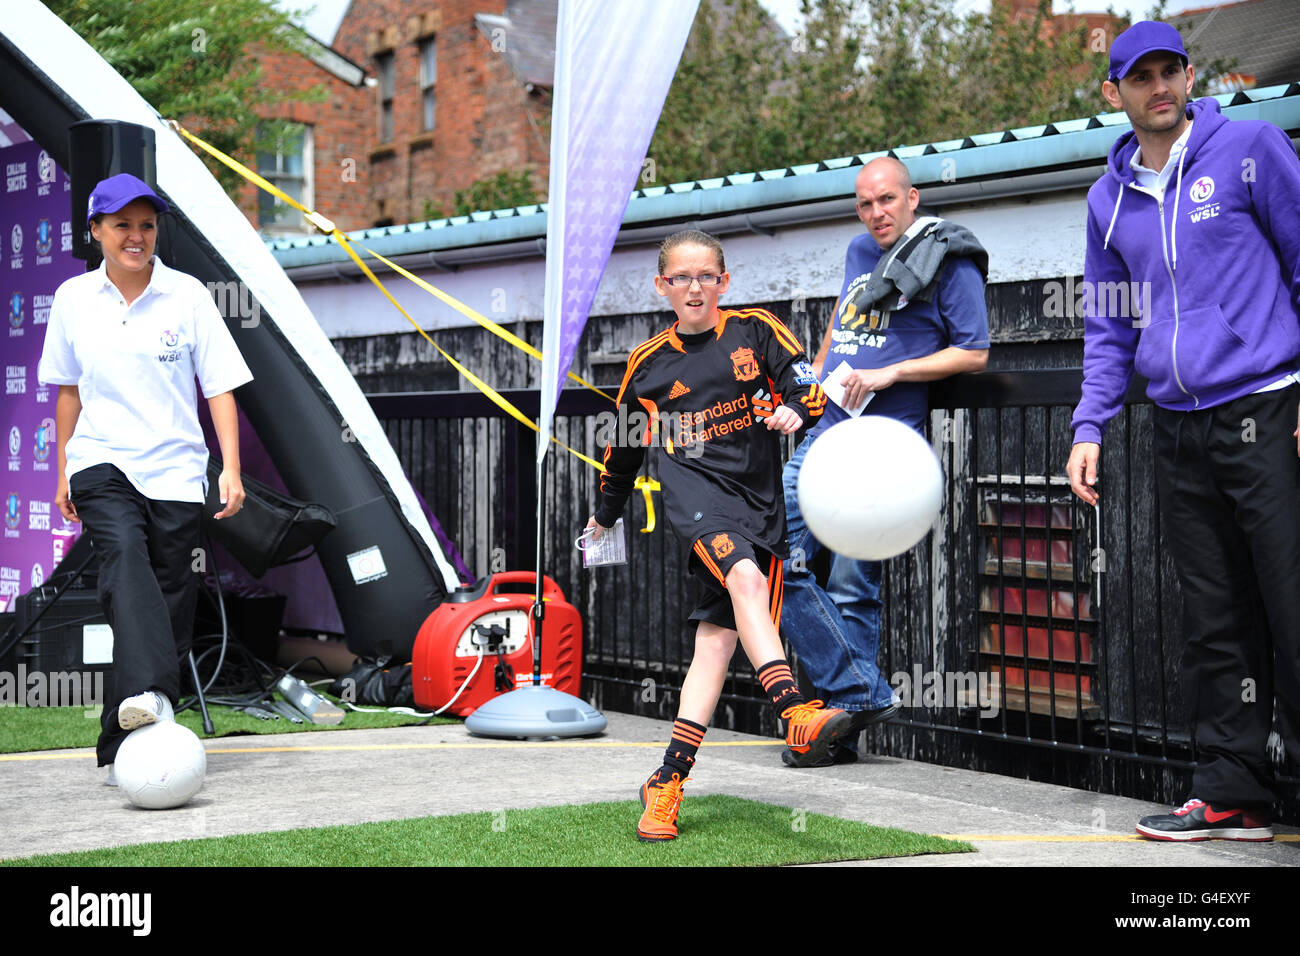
[
  {"x": 1176, "y": 150},
  {"x": 162, "y": 280}
]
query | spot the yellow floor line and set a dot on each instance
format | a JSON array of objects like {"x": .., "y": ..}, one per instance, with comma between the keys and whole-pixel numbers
[{"x": 498, "y": 745}]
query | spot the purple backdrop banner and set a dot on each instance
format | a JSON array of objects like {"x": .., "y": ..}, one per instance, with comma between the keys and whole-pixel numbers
[{"x": 36, "y": 231}]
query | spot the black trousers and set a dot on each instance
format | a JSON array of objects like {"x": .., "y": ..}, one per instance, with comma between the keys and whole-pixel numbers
[
  {"x": 147, "y": 587},
  {"x": 1229, "y": 486}
]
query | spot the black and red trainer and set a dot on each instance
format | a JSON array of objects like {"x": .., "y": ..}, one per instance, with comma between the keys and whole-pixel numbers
[{"x": 1198, "y": 820}]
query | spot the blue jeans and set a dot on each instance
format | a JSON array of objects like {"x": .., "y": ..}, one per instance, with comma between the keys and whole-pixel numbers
[{"x": 835, "y": 631}]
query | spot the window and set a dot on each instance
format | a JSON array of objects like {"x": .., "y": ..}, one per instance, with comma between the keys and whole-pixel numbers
[
  {"x": 428, "y": 76},
  {"x": 384, "y": 64},
  {"x": 290, "y": 168}
]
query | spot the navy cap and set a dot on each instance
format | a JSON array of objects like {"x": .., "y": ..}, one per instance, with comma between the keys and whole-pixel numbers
[
  {"x": 1148, "y": 36},
  {"x": 111, "y": 194}
]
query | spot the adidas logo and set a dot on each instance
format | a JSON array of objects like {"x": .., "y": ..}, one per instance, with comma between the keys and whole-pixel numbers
[{"x": 678, "y": 390}]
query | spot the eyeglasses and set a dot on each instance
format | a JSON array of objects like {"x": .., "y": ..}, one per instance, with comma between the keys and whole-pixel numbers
[{"x": 705, "y": 280}]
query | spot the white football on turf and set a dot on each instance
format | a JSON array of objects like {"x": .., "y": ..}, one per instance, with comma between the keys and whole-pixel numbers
[
  {"x": 161, "y": 765},
  {"x": 870, "y": 488}
]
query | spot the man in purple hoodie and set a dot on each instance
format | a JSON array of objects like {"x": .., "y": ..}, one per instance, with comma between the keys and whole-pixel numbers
[{"x": 1197, "y": 220}]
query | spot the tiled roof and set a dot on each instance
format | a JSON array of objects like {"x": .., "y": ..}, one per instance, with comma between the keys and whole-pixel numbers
[{"x": 1260, "y": 38}]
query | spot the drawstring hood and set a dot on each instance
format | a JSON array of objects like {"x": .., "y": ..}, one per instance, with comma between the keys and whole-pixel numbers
[
  {"x": 1206, "y": 118},
  {"x": 1119, "y": 198},
  {"x": 1206, "y": 335},
  {"x": 1178, "y": 192}
]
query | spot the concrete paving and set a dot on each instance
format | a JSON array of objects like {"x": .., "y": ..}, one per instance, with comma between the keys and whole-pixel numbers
[{"x": 55, "y": 801}]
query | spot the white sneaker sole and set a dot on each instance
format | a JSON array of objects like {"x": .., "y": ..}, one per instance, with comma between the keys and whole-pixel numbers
[{"x": 1245, "y": 834}]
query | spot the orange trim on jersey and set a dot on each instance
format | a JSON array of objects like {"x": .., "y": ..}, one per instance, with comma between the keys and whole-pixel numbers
[
  {"x": 652, "y": 410},
  {"x": 783, "y": 333},
  {"x": 634, "y": 360},
  {"x": 777, "y": 398},
  {"x": 639, "y": 355},
  {"x": 722, "y": 322},
  {"x": 707, "y": 560},
  {"x": 674, "y": 340}
]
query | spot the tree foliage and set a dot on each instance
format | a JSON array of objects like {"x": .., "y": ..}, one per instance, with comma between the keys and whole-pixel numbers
[
  {"x": 718, "y": 116},
  {"x": 196, "y": 61},
  {"x": 501, "y": 191},
  {"x": 864, "y": 75}
]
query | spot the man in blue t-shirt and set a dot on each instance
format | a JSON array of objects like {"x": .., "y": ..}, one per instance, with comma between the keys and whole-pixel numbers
[{"x": 911, "y": 311}]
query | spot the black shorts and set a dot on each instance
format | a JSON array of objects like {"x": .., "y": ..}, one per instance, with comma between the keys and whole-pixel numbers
[{"x": 712, "y": 557}]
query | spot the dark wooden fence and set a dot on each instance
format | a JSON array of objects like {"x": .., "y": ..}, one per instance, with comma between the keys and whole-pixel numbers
[{"x": 1031, "y": 635}]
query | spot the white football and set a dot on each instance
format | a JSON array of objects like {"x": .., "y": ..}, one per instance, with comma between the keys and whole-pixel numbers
[
  {"x": 870, "y": 488},
  {"x": 161, "y": 765}
]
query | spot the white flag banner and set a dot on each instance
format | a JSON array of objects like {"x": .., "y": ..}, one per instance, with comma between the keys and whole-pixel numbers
[{"x": 614, "y": 62}]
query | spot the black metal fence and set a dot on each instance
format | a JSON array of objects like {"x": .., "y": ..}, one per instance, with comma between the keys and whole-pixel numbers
[{"x": 1029, "y": 634}]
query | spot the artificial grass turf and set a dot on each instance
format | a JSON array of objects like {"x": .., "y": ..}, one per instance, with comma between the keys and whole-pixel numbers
[
  {"x": 714, "y": 830},
  {"x": 66, "y": 728}
]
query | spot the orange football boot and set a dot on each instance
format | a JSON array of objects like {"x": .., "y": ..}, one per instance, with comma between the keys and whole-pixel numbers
[
  {"x": 661, "y": 802},
  {"x": 812, "y": 727}
]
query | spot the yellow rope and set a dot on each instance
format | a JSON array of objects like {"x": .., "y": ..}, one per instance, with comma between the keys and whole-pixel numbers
[
  {"x": 327, "y": 226},
  {"x": 481, "y": 319}
]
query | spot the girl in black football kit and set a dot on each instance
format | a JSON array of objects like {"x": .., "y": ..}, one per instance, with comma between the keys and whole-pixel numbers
[{"x": 718, "y": 389}]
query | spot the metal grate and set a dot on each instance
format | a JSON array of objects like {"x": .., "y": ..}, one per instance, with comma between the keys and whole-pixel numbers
[{"x": 1034, "y": 635}]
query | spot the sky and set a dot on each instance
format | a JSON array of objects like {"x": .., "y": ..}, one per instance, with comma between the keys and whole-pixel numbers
[{"x": 324, "y": 20}]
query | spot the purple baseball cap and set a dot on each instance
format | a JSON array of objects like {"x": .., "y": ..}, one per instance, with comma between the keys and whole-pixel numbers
[
  {"x": 1148, "y": 36},
  {"x": 111, "y": 194}
]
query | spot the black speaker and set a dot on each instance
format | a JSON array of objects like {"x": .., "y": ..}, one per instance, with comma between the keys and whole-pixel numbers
[{"x": 99, "y": 149}]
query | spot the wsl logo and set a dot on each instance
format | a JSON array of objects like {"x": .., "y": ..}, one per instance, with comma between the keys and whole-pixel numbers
[
  {"x": 1200, "y": 192},
  {"x": 15, "y": 449},
  {"x": 44, "y": 241},
  {"x": 168, "y": 340},
  {"x": 44, "y": 439},
  {"x": 16, "y": 247},
  {"x": 11, "y": 515}
]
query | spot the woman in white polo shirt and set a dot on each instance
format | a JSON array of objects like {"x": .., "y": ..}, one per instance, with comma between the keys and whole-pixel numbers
[{"x": 125, "y": 344}]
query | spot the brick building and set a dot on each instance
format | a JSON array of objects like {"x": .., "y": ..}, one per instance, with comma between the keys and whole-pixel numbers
[
  {"x": 321, "y": 166},
  {"x": 423, "y": 101},
  {"x": 1100, "y": 29}
]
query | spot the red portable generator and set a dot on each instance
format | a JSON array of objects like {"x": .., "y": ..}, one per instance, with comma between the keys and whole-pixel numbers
[{"x": 496, "y": 620}]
